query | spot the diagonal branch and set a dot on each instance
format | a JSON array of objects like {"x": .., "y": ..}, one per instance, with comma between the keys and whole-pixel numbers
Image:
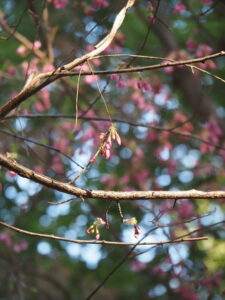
[
  {"x": 110, "y": 195},
  {"x": 35, "y": 83}
]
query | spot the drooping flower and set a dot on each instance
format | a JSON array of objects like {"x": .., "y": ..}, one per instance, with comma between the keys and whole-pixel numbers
[
  {"x": 94, "y": 227},
  {"x": 133, "y": 221},
  {"x": 106, "y": 141}
]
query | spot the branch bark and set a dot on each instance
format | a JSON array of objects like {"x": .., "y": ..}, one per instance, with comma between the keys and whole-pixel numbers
[{"x": 109, "y": 195}]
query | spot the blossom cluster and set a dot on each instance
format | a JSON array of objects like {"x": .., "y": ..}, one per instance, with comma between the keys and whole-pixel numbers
[
  {"x": 106, "y": 141},
  {"x": 19, "y": 246},
  {"x": 94, "y": 227},
  {"x": 58, "y": 4}
]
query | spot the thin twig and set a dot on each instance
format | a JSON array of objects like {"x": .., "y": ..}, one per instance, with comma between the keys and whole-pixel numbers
[
  {"x": 133, "y": 124},
  {"x": 41, "y": 145},
  {"x": 102, "y": 242}
]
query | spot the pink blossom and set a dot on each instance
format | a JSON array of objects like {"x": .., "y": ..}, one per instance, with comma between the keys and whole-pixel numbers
[
  {"x": 124, "y": 179},
  {"x": 48, "y": 68},
  {"x": 171, "y": 166},
  {"x": 21, "y": 50},
  {"x": 94, "y": 227},
  {"x": 39, "y": 106},
  {"x": 91, "y": 79},
  {"x": 179, "y": 7},
  {"x": 11, "y": 71},
  {"x": 61, "y": 144},
  {"x": 142, "y": 176},
  {"x": 186, "y": 293},
  {"x": 133, "y": 221},
  {"x": 207, "y": 2},
  {"x": 168, "y": 69},
  {"x": 187, "y": 127},
  {"x": 139, "y": 153},
  {"x": 203, "y": 50},
  {"x": 45, "y": 95},
  {"x": 37, "y": 45},
  {"x": 214, "y": 280},
  {"x": 58, "y": 4},
  {"x": 139, "y": 99},
  {"x": 11, "y": 174},
  {"x": 109, "y": 180},
  {"x": 31, "y": 67},
  {"x": 152, "y": 136},
  {"x": 20, "y": 246},
  {"x": 38, "y": 169},
  {"x": 106, "y": 140},
  {"x": 186, "y": 209},
  {"x": 208, "y": 64},
  {"x": 97, "y": 3},
  {"x": 179, "y": 117},
  {"x": 57, "y": 165},
  {"x": 191, "y": 44},
  {"x": 143, "y": 85},
  {"x": 137, "y": 231},
  {"x": 114, "y": 76},
  {"x": 5, "y": 238},
  {"x": 89, "y": 48},
  {"x": 121, "y": 83}
]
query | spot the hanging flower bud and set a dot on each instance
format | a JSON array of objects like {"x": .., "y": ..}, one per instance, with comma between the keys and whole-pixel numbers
[
  {"x": 133, "y": 222},
  {"x": 94, "y": 227},
  {"x": 106, "y": 140},
  {"x": 137, "y": 231}
]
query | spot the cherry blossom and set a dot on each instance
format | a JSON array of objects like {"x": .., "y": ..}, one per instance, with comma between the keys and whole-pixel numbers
[
  {"x": 186, "y": 209},
  {"x": 133, "y": 221},
  {"x": 207, "y": 2},
  {"x": 191, "y": 44},
  {"x": 106, "y": 141},
  {"x": 58, "y": 4},
  {"x": 11, "y": 174},
  {"x": 21, "y": 50},
  {"x": 94, "y": 228},
  {"x": 37, "y": 45},
  {"x": 179, "y": 7},
  {"x": 20, "y": 246},
  {"x": 5, "y": 238},
  {"x": 98, "y": 3}
]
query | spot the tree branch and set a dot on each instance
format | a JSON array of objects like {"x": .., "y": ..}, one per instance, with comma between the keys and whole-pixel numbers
[
  {"x": 110, "y": 195},
  {"x": 35, "y": 82},
  {"x": 102, "y": 242}
]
